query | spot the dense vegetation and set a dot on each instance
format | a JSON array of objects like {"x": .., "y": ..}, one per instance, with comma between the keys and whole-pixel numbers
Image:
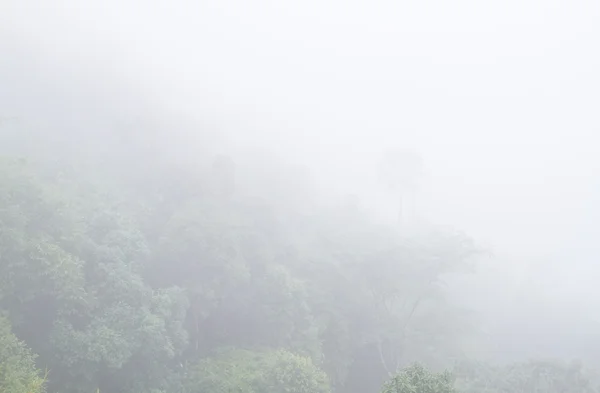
[{"x": 126, "y": 278}]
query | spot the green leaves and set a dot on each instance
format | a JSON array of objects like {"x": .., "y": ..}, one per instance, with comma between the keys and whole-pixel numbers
[
  {"x": 119, "y": 289},
  {"x": 255, "y": 372},
  {"x": 526, "y": 377},
  {"x": 71, "y": 280},
  {"x": 417, "y": 379},
  {"x": 18, "y": 373}
]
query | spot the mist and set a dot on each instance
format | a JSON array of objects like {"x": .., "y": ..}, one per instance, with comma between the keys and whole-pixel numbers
[{"x": 498, "y": 98}]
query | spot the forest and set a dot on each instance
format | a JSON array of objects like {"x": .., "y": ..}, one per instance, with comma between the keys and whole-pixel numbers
[{"x": 133, "y": 274}]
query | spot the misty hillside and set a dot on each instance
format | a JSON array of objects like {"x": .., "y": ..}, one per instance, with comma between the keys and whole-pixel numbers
[
  {"x": 300, "y": 197},
  {"x": 128, "y": 278}
]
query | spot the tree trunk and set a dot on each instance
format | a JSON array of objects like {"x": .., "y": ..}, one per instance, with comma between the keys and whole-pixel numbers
[{"x": 400, "y": 210}]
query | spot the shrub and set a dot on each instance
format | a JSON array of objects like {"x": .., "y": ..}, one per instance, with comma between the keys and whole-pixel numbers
[
  {"x": 244, "y": 371},
  {"x": 417, "y": 379}
]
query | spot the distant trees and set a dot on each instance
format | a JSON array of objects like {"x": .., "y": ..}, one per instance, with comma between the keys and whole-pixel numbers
[
  {"x": 525, "y": 377},
  {"x": 477, "y": 377},
  {"x": 71, "y": 283},
  {"x": 130, "y": 288},
  {"x": 401, "y": 170},
  {"x": 113, "y": 295}
]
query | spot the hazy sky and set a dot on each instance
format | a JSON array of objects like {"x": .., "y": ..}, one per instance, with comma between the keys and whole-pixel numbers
[{"x": 500, "y": 97}]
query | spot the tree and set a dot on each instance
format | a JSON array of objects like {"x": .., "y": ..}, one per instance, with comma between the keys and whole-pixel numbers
[
  {"x": 378, "y": 298},
  {"x": 18, "y": 373},
  {"x": 168, "y": 285},
  {"x": 417, "y": 379},
  {"x": 256, "y": 371},
  {"x": 401, "y": 170},
  {"x": 524, "y": 377},
  {"x": 404, "y": 285},
  {"x": 71, "y": 282}
]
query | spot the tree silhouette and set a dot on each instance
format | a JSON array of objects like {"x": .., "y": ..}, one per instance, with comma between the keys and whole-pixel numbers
[{"x": 401, "y": 170}]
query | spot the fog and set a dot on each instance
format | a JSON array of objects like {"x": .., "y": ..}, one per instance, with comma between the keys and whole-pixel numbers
[{"x": 499, "y": 98}]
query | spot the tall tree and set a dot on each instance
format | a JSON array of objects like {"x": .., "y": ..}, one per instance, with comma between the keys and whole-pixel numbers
[{"x": 401, "y": 170}]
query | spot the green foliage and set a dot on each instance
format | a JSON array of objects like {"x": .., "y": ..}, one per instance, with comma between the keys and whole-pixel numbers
[
  {"x": 131, "y": 286},
  {"x": 527, "y": 377},
  {"x": 255, "y": 372},
  {"x": 18, "y": 373},
  {"x": 417, "y": 379},
  {"x": 73, "y": 285}
]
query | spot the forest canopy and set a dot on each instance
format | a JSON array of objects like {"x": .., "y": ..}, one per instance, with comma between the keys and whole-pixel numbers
[{"x": 161, "y": 279}]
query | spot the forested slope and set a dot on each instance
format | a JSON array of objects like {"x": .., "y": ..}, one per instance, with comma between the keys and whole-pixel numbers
[{"x": 149, "y": 277}]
